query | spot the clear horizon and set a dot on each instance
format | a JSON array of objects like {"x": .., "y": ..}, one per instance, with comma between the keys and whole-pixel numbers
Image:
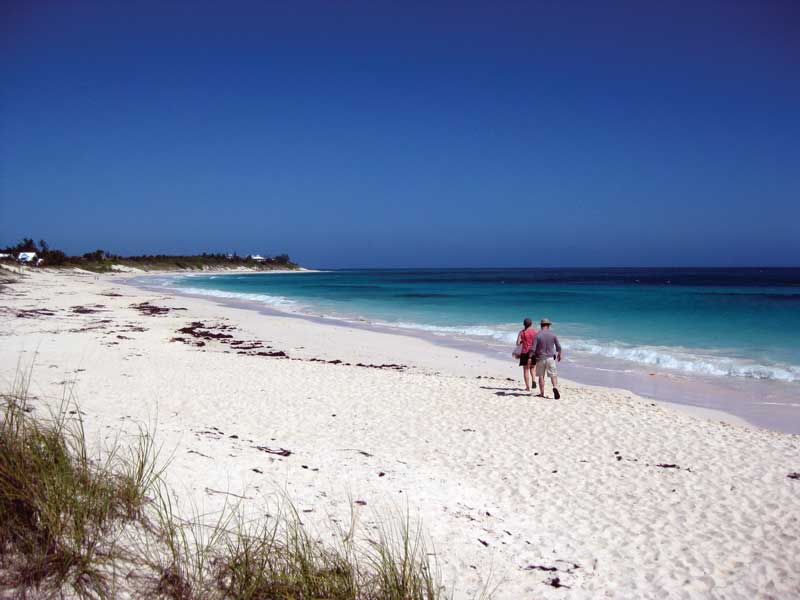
[
  {"x": 374, "y": 135},
  {"x": 455, "y": 268}
]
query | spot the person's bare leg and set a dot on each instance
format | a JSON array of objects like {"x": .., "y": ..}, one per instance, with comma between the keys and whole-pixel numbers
[
  {"x": 526, "y": 374},
  {"x": 554, "y": 381},
  {"x": 541, "y": 386}
]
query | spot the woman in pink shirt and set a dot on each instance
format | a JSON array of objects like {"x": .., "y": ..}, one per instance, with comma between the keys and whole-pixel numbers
[{"x": 526, "y": 360}]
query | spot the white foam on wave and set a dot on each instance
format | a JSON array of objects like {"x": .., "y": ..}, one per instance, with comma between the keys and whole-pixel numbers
[
  {"x": 156, "y": 280},
  {"x": 683, "y": 360},
  {"x": 171, "y": 281},
  {"x": 687, "y": 361},
  {"x": 482, "y": 331},
  {"x": 279, "y": 302}
]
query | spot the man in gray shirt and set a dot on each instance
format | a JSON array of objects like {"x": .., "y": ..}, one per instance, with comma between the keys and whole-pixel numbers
[{"x": 547, "y": 351}]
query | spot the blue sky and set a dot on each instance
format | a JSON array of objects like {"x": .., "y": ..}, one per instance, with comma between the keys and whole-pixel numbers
[{"x": 405, "y": 134}]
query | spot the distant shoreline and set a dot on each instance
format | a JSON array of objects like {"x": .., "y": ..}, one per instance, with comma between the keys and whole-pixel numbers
[
  {"x": 16, "y": 269},
  {"x": 211, "y": 271}
]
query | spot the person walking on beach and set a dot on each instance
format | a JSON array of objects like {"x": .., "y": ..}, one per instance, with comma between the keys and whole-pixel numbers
[
  {"x": 525, "y": 339},
  {"x": 546, "y": 352}
]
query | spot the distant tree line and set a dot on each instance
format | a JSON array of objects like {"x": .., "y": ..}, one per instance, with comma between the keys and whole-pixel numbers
[
  {"x": 50, "y": 255},
  {"x": 102, "y": 260}
]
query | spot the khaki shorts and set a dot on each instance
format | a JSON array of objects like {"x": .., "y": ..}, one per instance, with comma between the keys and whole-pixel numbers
[{"x": 546, "y": 366}]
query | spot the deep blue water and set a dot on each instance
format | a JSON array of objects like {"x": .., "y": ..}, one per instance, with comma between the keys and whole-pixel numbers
[{"x": 716, "y": 322}]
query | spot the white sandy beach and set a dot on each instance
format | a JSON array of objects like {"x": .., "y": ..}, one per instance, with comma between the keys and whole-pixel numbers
[{"x": 623, "y": 497}]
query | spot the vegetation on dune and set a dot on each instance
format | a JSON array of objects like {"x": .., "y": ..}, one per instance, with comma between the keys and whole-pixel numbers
[
  {"x": 102, "y": 261},
  {"x": 104, "y": 524},
  {"x": 61, "y": 510}
]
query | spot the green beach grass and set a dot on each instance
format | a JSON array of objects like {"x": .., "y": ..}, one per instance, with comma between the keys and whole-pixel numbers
[{"x": 103, "y": 524}]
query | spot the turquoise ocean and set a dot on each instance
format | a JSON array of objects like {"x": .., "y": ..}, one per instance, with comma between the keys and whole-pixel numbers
[{"x": 733, "y": 328}]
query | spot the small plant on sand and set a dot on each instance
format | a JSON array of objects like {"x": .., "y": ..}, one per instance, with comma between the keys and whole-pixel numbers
[
  {"x": 86, "y": 524},
  {"x": 263, "y": 559},
  {"x": 179, "y": 560},
  {"x": 398, "y": 563},
  {"x": 278, "y": 559},
  {"x": 62, "y": 508}
]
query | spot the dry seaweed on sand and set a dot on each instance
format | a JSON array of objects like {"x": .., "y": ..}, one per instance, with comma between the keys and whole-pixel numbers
[{"x": 148, "y": 309}]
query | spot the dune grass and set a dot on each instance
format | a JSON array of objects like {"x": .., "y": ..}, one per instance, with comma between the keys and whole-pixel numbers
[
  {"x": 61, "y": 509},
  {"x": 99, "y": 524}
]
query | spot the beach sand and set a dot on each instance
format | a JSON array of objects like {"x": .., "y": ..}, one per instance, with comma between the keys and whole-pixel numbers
[{"x": 614, "y": 495}]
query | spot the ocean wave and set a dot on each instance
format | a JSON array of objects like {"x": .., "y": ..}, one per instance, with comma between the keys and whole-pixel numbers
[
  {"x": 687, "y": 361},
  {"x": 155, "y": 280},
  {"x": 682, "y": 360},
  {"x": 280, "y": 302},
  {"x": 508, "y": 336}
]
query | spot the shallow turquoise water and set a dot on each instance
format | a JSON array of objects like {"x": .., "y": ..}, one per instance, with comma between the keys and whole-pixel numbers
[{"x": 717, "y": 322}]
